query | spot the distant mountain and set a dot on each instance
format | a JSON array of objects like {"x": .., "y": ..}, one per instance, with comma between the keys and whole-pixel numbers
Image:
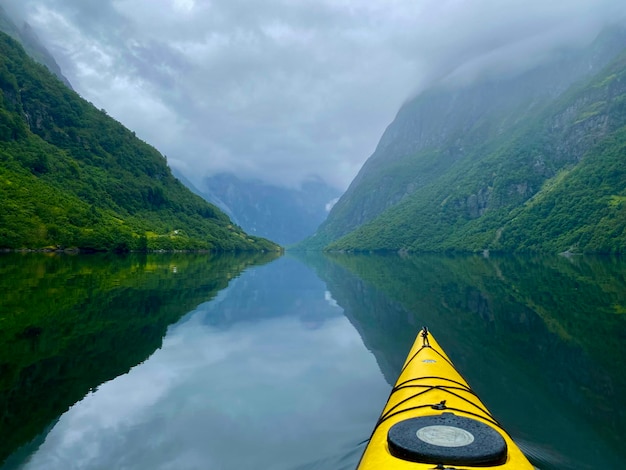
[
  {"x": 27, "y": 37},
  {"x": 530, "y": 162},
  {"x": 71, "y": 176},
  {"x": 207, "y": 195},
  {"x": 284, "y": 215}
]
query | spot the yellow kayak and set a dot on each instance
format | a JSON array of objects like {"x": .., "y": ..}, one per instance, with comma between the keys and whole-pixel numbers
[{"x": 433, "y": 420}]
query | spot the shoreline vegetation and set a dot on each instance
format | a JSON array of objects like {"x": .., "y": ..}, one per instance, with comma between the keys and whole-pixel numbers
[{"x": 83, "y": 251}]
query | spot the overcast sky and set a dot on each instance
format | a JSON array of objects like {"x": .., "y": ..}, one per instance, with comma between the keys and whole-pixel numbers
[{"x": 284, "y": 89}]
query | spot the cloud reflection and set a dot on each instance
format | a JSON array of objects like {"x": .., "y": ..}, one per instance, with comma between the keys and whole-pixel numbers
[{"x": 265, "y": 394}]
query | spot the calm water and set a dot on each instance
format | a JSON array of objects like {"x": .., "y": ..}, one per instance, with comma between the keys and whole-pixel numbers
[{"x": 177, "y": 361}]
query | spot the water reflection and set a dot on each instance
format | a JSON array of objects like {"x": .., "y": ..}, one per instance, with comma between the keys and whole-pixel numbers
[
  {"x": 70, "y": 323},
  {"x": 274, "y": 371},
  {"x": 269, "y": 374},
  {"x": 540, "y": 339}
]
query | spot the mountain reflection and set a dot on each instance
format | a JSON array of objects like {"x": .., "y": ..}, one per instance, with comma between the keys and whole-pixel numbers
[
  {"x": 541, "y": 340},
  {"x": 249, "y": 379},
  {"x": 70, "y": 323},
  {"x": 188, "y": 361}
]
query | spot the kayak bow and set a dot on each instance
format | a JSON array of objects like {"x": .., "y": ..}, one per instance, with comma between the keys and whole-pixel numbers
[{"x": 433, "y": 420}]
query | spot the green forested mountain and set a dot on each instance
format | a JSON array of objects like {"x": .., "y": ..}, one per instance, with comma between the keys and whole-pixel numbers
[
  {"x": 71, "y": 176},
  {"x": 532, "y": 162}
]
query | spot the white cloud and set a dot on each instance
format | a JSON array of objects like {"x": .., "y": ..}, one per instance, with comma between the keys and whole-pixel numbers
[
  {"x": 184, "y": 5},
  {"x": 330, "y": 204},
  {"x": 329, "y": 298}
]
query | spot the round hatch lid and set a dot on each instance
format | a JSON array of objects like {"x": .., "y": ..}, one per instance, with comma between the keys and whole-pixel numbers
[{"x": 447, "y": 439}]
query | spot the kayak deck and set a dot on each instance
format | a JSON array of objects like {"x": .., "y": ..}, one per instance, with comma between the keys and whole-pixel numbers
[{"x": 433, "y": 420}]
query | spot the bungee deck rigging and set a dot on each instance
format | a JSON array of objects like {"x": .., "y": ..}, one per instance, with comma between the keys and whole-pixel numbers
[{"x": 434, "y": 420}]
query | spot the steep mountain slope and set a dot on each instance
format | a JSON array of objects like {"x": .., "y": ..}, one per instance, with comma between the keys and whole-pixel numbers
[
  {"x": 458, "y": 164},
  {"x": 72, "y": 176},
  {"x": 557, "y": 182}
]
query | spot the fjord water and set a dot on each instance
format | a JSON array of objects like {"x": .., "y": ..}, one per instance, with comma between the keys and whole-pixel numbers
[{"x": 180, "y": 361}]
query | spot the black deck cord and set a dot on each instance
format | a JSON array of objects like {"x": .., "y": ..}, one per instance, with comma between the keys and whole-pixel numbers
[
  {"x": 444, "y": 388},
  {"x": 488, "y": 418},
  {"x": 426, "y": 344}
]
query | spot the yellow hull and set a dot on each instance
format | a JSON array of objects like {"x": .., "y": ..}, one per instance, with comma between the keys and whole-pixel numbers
[{"x": 433, "y": 420}]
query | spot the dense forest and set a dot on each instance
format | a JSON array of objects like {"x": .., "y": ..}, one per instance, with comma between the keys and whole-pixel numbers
[
  {"x": 73, "y": 177},
  {"x": 529, "y": 163}
]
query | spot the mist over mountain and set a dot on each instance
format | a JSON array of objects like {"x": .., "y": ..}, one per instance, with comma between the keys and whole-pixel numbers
[
  {"x": 461, "y": 166},
  {"x": 31, "y": 43},
  {"x": 507, "y": 132},
  {"x": 281, "y": 90},
  {"x": 284, "y": 215}
]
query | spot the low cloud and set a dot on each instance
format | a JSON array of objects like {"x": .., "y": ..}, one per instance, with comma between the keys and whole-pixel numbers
[{"x": 282, "y": 90}]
